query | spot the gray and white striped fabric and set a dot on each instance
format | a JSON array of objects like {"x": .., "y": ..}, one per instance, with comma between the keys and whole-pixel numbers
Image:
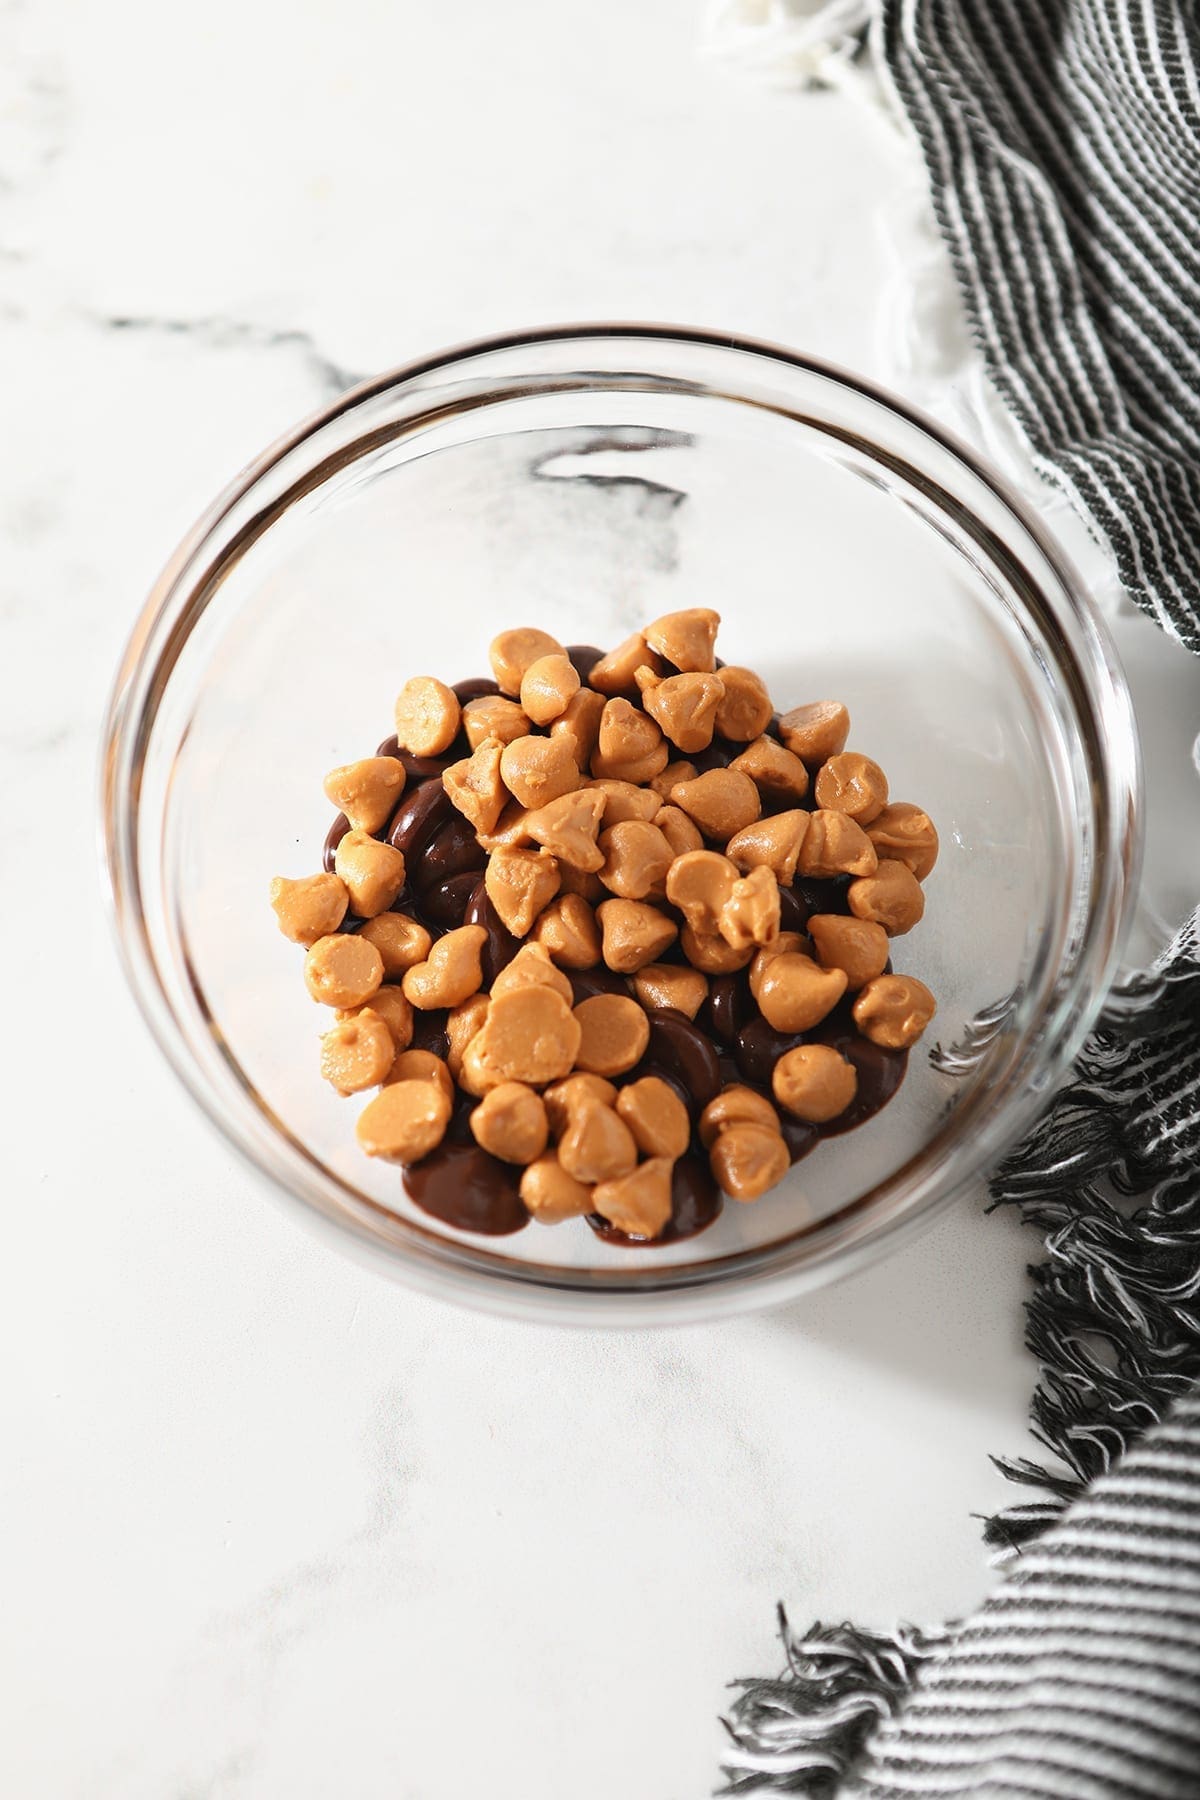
[
  {"x": 1080, "y": 1679},
  {"x": 1062, "y": 144}
]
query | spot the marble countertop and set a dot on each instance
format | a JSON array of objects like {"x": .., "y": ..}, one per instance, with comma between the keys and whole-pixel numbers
[{"x": 273, "y": 1527}]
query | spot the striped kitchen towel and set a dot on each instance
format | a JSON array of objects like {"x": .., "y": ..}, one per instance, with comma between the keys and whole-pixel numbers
[{"x": 1061, "y": 141}]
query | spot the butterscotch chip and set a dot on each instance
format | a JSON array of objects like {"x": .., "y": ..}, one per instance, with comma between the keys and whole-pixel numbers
[
  {"x": 835, "y": 845},
  {"x": 564, "y": 1098},
  {"x": 656, "y": 1116},
  {"x": 537, "y": 770},
  {"x": 665, "y": 780},
  {"x": 777, "y": 773},
  {"x": 678, "y": 829},
  {"x": 596, "y": 1145},
  {"x": 633, "y": 933},
  {"x": 568, "y": 931},
  {"x": 817, "y": 731},
  {"x": 400, "y": 941},
  {"x": 745, "y": 710},
  {"x": 772, "y": 843},
  {"x": 310, "y": 908},
  {"x": 404, "y": 1122},
  {"x": 567, "y": 827},
  {"x": 636, "y": 858},
  {"x": 903, "y": 833},
  {"x": 785, "y": 942},
  {"x": 427, "y": 716},
  {"x": 857, "y": 946},
  {"x": 510, "y": 1122},
  {"x": 531, "y": 1035},
  {"x": 750, "y": 916},
  {"x": 625, "y": 800},
  {"x": 615, "y": 673},
  {"x": 547, "y": 688},
  {"x": 736, "y": 1105},
  {"x": 852, "y": 784},
  {"x": 551, "y": 1195},
  {"x": 476, "y": 787},
  {"x": 893, "y": 1010},
  {"x": 721, "y": 801},
  {"x": 670, "y": 984},
  {"x": 513, "y": 652},
  {"x": 342, "y": 970},
  {"x": 389, "y": 1004},
  {"x": 747, "y": 1160},
  {"x": 357, "y": 1052},
  {"x": 711, "y": 952},
  {"x": 583, "y": 882},
  {"x": 452, "y": 971},
  {"x": 685, "y": 706},
  {"x": 814, "y": 1083},
  {"x": 492, "y": 716},
  {"x": 639, "y": 1204},
  {"x": 512, "y": 827},
  {"x": 579, "y": 725},
  {"x": 476, "y": 1075},
  {"x": 373, "y": 872},
  {"x": 614, "y": 1035},
  {"x": 699, "y": 883},
  {"x": 421, "y": 1065},
  {"x": 532, "y": 967},
  {"x": 687, "y": 639},
  {"x": 464, "y": 1022},
  {"x": 795, "y": 993},
  {"x": 891, "y": 897},
  {"x": 366, "y": 791},
  {"x": 630, "y": 746},
  {"x": 519, "y": 884}
]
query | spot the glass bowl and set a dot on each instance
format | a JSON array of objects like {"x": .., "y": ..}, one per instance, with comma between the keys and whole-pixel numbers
[{"x": 585, "y": 480}]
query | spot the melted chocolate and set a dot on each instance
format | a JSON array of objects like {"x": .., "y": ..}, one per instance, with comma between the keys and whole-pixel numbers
[
  {"x": 696, "y": 1201},
  {"x": 464, "y": 1187},
  {"x": 501, "y": 946}
]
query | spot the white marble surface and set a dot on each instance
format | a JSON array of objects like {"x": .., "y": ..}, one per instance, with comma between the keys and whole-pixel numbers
[{"x": 272, "y": 1528}]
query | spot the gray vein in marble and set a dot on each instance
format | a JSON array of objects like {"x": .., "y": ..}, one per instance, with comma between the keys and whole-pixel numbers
[{"x": 220, "y": 333}]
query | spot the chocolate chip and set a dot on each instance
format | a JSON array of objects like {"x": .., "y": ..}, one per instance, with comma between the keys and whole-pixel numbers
[
  {"x": 730, "y": 1006},
  {"x": 583, "y": 659},
  {"x": 476, "y": 688},
  {"x": 501, "y": 945},
  {"x": 418, "y": 818},
  {"x": 445, "y": 903},
  {"x": 453, "y": 851},
  {"x": 333, "y": 838},
  {"x": 684, "y": 1055},
  {"x": 759, "y": 1047},
  {"x": 586, "y": 983},
  {"x": 879, "y": 1071}
]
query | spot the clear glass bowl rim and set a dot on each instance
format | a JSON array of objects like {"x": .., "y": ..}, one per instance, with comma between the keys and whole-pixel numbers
[{"x": 910, "y": 1196}]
